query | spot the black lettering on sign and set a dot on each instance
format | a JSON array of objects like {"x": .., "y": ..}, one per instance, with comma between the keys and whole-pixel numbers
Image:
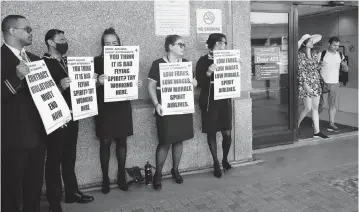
[
  {"x": 218, "y": 76},
  {"x": 85, "y": 107},
  {"x": 182, "y": 89},
  {"x": 220, "y": 68},
  {"x": 231, "y": 60},
  {"x": 121, "y": 92},
  {"x": 167, "y": 82},
  {"x": 57, "y": 115},
  {"x": 166, "y": 90},
  {"x": 52, "y": 105},
  {"x": 42, "y": 86},
  {"x": 181, "y": 73},
  {"x": 87, "y": 76},
  {"x": 85, "y": 68},
  {"x": 221, "y": 61},
  {"x": 177, "y": 104},
  {"x": 229, "y": 89},
  {"x": 37, "y": 76},
  {"x": 122, "y": 71},
  {"x": 178, "y": 96},
  {"x": 233, "y": 74},
  {"x": 46, "y": 96},
  {"x": 114, "y": 56},
  {"x": 121, "y": 85},
  {"x": 84, "y": 100},
  {"x": 128, "y": 63},
  {"x": 116, "y": 78},
  {"x": 127, "y": 56},
  {"x": 231, "y": 67},
  {"x": 168, "y": 74},
  {"x": 131, "y": 77},
  {"x": 83, "y": 84},
  {"x": 227, "y": 82},
  {"x": 76, "y": 68}
]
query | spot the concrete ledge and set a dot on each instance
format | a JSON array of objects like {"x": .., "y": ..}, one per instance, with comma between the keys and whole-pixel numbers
[{"x": 307, "y": 142}]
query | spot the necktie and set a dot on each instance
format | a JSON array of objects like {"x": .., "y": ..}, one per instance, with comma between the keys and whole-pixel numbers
[{"x": 24, "y": 57}]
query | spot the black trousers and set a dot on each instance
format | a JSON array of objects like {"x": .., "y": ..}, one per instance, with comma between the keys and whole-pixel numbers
[
  {"x": 61, "y": 152},
  {"x": 22, "y": 172}
]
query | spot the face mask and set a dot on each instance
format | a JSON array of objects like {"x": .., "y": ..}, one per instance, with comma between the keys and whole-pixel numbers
[{"x": 62, "y": 47}]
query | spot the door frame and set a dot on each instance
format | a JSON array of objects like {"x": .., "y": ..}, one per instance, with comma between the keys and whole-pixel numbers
[{"x": 288, "y": 136}]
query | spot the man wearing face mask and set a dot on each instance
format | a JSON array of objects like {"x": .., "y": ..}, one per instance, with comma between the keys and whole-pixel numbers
[{"x": 61, "y": 144}]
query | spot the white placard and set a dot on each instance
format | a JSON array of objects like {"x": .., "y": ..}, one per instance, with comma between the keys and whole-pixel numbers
[
  {"x": 82, "y": 87},
  {"x": 172, "y": 17},
  {"x": 209, "y": 21},
  {"x": 176, "y": 88},
  {"x": 52, "y": 107},
  {"x": 121, "y": 65},
  {"x": 227, "y": 76}
]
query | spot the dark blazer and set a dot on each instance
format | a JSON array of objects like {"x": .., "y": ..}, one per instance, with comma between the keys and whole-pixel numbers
[{"x": 21, "y": 125}]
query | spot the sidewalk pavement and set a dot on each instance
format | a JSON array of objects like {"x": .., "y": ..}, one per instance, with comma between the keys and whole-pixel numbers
[{"x": 321, "y": 177}]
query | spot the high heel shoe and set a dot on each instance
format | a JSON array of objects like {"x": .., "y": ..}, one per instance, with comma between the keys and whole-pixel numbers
[
  {"x": 176, "y": 176},
  {"x": 226, "y": 165},
  {"x": 157, "y": 186},
  {"x": 121, "y": 182},
  {"x": 217, "y": 170},
  {"x": 105, "y": 186}
]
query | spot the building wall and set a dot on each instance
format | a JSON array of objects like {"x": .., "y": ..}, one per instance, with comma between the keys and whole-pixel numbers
[
  {"x": 345, "y": 26},
  {"x": 84, "y": 22}
]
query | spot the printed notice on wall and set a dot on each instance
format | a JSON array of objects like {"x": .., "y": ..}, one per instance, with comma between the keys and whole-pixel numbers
[
  {"x": 82, "y": 87},
  {"x": 209, "y": 21},
  {"x": 172, "y": 17},
  {"x": 227, "y": 81},
  {"x": 52, "y": 107},
  {"x": 176, "y": 88},
  {"x": 121, "y": 64}
]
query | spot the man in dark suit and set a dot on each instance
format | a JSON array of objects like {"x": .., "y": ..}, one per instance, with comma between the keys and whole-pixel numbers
[{"x": 22, "y": 132}]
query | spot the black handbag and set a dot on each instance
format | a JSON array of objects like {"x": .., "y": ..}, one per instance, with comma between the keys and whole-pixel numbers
[{"x": 134, "y": 175}]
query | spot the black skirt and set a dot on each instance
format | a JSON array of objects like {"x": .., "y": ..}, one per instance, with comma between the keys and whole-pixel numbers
[
  {"x": 114, "y": 120},
  {"x": 174, "y": 128},
  {"x": 218, "y": 117}
]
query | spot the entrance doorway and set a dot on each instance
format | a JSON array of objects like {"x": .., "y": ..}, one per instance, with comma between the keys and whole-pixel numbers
[{"x": 272, "y": 92}]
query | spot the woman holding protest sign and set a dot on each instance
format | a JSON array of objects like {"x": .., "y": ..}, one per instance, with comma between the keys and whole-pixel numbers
[
  {"x": 216, "y": 114},
  {"x": 171, "y": 129},
  {"x": 113, "y": 122}
]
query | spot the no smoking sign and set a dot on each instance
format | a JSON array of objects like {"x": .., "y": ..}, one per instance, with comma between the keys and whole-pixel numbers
[{"x": 209, "y": 21}]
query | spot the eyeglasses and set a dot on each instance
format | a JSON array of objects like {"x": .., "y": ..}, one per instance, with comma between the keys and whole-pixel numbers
[
  {"x": 182, "y": 45},
  {"x": 225, "y": 42},
  {"x": 26, "y": 29}
]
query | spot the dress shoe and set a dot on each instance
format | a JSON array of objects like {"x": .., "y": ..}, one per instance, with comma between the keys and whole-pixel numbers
[
  {"x": 105, "y": 186},
  {"x": 55, "y": 207},
  {"x": 121, "y": 182},
  {"x": 78, "y": 197},
  {"x": 226, "y": 165},
  {"x": 176, "y": 176},
  {"x": 156, "y": 185},
  {"x": 217, "y": 170}
]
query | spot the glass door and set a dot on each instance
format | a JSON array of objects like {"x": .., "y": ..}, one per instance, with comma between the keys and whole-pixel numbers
[{"x": 272, "y": 74}]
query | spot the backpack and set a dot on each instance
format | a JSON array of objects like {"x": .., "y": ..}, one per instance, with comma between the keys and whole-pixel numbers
[{"x": 343, "y": 76}]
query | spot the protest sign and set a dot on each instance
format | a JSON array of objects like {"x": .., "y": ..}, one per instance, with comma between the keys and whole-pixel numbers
[
  {"x": 52, "y": 107},
  {"x": 121, "y": 64},
  {"x": 82, "y": 87},
  {"x": 176, "y": 88},
  {"x": 227, "y": 76}
]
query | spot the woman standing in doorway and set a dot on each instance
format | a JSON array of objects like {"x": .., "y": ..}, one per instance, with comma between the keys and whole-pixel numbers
[
  {"x": 113, "y": 122},
  {"x": 309, "y": 81},
  {"x": 171, "y": 129},
  {"x": 216, "y": 114}
]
